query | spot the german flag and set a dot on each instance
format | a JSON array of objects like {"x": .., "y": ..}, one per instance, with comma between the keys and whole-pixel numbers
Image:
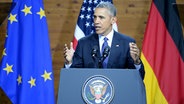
[{"x": 163, "y": 54}]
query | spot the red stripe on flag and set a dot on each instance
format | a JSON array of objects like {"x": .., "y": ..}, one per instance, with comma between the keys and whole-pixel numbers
[
  {"x": 164, "y": 58},
  {"x": 74, "y": 43}
]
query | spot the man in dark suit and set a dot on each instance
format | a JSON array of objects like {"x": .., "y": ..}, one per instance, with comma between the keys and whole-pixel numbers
[{"x": 120, "y": 52}]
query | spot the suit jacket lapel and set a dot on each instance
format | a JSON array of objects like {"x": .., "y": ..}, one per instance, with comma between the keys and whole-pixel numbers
[{"x": 115, "y": 47}]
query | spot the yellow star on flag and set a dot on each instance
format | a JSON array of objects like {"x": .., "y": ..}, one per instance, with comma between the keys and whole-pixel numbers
[
  {"x": 12, "y": 18},
  {"x": 41, "y": 13},
  {"x": 32, "y": 82},
  {"x": 8, "y": 68},
  {"x": 4, "y": 52},
  {"x": 19, "y": 79},
  {"x": 27, "y": 10},
  {"x": 46, "y": 76}
]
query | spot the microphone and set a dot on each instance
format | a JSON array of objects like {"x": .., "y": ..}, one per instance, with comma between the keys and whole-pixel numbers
[
  {"x": 95, "y": 58},
  {"x": 106, "y": 52},
  {"x": 104, "y": 55},
  {"x": 94, "y": 51}
]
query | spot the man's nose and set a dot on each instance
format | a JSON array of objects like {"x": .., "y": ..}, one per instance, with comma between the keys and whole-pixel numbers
[{"x": 96, "y": 20}]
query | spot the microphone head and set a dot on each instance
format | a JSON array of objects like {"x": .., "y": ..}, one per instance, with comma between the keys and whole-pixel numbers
[
  {"x": 94, "y": 51},
  {"x": 106, "y": 51}
]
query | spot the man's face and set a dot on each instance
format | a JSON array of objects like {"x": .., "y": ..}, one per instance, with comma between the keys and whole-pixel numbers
[{"x": 103, "y": 21}]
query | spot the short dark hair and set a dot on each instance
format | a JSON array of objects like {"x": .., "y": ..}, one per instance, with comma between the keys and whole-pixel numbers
[{"x": 109, "y": 6}]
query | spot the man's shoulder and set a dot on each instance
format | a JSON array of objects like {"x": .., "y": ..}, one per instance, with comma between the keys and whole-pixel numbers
[
  {"x": 89, "y": 37},
  {"x": 123, "y": 36}
]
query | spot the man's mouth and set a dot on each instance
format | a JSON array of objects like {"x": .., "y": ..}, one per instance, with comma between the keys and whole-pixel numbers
[{"x": 97, "y": 27}]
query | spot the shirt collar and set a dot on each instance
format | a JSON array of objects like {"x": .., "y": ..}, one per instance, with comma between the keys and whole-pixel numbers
[{"x": 109, "y": 36}]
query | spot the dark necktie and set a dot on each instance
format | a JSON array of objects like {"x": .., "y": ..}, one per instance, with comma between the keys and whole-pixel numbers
[{"x": 105, "y": 44}]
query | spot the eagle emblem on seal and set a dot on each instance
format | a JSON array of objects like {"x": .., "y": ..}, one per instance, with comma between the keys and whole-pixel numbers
[{"x": 98, "y": 91}]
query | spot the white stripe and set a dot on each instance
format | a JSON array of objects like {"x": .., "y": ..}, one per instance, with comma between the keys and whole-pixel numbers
[{"x": 78, "y": 33}]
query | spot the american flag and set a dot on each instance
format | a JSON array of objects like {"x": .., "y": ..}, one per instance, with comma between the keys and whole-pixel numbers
[{"x": 85, "y": 25}]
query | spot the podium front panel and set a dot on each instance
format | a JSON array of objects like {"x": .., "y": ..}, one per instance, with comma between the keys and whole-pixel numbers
[{"x": 128, "y": 85}]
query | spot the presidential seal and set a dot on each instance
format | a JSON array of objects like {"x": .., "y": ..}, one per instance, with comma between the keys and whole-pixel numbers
[{"x": 98, "y": 89}]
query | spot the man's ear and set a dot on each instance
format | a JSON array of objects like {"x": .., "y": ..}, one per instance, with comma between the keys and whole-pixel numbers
[{"x": 114, "y": 19}]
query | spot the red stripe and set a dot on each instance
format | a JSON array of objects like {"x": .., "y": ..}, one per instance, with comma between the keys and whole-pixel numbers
[
  {"x": 164, "y": 58},
  {"x": 74, "y": 43}
]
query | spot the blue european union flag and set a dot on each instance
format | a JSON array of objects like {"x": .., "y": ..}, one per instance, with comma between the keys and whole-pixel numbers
[{"x": 26, "y": 68}]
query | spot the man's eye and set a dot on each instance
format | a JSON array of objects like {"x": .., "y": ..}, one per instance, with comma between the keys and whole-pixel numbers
[{"x": 101, "y": 17}]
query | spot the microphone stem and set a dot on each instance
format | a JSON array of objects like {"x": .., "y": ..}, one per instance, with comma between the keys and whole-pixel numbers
[{"x": 100, "y": 62}]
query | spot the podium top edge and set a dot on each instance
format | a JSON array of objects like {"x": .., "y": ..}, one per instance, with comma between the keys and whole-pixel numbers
[{"x": 96, "y": 69}]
